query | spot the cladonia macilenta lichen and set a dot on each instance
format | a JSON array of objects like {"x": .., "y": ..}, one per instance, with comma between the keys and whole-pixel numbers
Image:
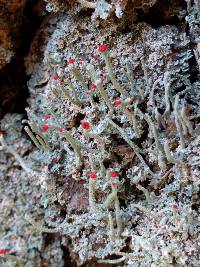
[{"x": 113, "y": 170}]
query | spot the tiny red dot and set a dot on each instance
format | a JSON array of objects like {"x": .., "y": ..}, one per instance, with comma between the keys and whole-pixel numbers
[
  {"x": 70, "y": 61},
  {"x": 45, "y": 127},
  {"x": 103, "y": 48},
  {"x": 174, "y": 206},
  {"x": 47, "y": 117},
  {"x": 93, "y": 175},
  {"x": 85, "y": 125},
  {"x": 95, "y": 56},
  {"x": 56, "y": 160},
  {"x": 62, "y": 82},
  {"x": 114, "y": 174},
  {"x": 56, "y": 77},
  {"x": 2, "y": 133},
  {"x": 3, "y": 251},
  {"x": 93, "y": 86},
  {"x": 117, "y": 101}
]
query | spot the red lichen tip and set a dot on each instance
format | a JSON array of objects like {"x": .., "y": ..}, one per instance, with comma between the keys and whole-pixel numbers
[
  {"x": 138, "y": 186},
  {"x": 62, "y": 82},
  {"x": 174, "y": 206},
  {"x": 45, "y": 127},
  {"x": 114, "y": 184},
  {"x": 47, "y": 117},
  {"x": 56, "y": 159},
  {"x": 70, "y": 61},
  {"x": 95, "y": 56},
  {"x": 56, "y": 77},
  {"x": 2, "y": 133},
  {"x": 93, "y": 175},
  {"x": 114, "y": 174},
  {"x": 93, "y": 86},
  {"x": 3, "y": 251},
  {"x": 61, "y": 130},
  {"x": 85, "y": 125},
  {"x": 117, "y": 101},
  {"x": 103, "y": 48}
]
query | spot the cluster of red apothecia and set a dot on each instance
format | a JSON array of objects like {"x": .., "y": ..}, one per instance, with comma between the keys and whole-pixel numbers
[
  {"x": 102, "y": 49},
  {"x": 114, "y": 175}
]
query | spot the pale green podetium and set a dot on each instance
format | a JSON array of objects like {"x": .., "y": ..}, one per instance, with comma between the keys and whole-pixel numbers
[
  {"x": 118, "y": 87},
  {"x": 12, "y": 151}
]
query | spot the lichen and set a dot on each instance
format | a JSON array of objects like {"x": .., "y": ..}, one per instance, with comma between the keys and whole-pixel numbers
[{"x": 114, "y": 120}]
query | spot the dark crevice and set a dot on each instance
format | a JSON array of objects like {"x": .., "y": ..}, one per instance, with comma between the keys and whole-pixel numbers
[
  {"x": 13, "y": 90},
  {"x": 193, "y": 69},
  {"x": 49, "y": 239},
  {"x": 162, "y": 13},
  {"x": 13, "y": 86},
  {"x": 66, "y": 257}
]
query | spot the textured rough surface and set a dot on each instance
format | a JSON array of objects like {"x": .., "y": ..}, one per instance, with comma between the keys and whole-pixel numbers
[
  {"x": 18, "y": 25},
  {"x": 112, "y": 173},
  {"x": 11, "y": 17}
]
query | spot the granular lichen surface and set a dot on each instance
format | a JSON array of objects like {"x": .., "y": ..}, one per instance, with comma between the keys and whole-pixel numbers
[{"x": 104, "y": 169}]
